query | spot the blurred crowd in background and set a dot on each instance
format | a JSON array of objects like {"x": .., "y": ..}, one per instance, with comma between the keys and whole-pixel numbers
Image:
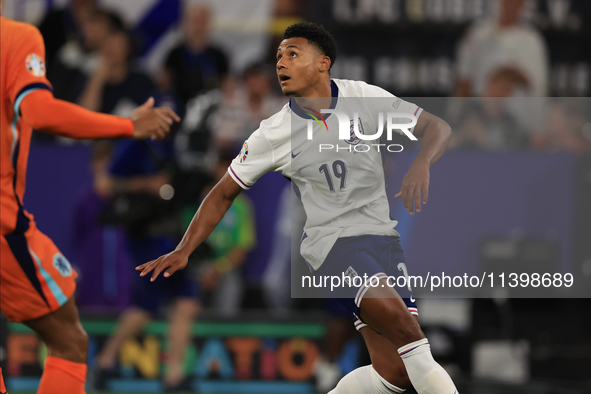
[
  {"x": 498, "y": 48},
  {"x": 518, "y": 55}
]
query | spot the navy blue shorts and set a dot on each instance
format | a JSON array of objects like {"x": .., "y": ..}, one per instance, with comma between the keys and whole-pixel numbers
[
  {"x": 147, "y": 295},
  {"x": 365, "y": 260}
]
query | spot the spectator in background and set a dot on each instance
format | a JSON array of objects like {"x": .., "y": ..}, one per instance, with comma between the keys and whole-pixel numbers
[
  {"x": 99, "y": 250},
  {"x": 567, "y": 128},
  {"x": 114, "y": 87},
  {"x": 59, "y": 26},
  {"x": 195, "y": 65},
  {"x": 76, "y": 58},
  {"x": 487, "y": 123},
  {"x": 139, "y": 169},
  {"x": 222, "y": 119},
  {"x": 245, "y": 106},
  {"x": 502, "y": 43},
  {"x": 276, "y": 281},
  {"x": 286, "y": 13},
  {"x": 230, "y": 243}
]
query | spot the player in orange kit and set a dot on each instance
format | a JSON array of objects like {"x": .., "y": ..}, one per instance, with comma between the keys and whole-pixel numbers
[
  {"x": 2, "y": 388},
  {"x": 37, "y": 281}
]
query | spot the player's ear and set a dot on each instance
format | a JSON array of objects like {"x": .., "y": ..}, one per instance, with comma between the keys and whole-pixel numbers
[{"x": 325, "y": 63}]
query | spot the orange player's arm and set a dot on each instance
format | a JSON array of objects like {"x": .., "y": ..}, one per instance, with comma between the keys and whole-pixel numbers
[
  {"x": 46, "y": 113},
  {"x": 30, "y": 94}
]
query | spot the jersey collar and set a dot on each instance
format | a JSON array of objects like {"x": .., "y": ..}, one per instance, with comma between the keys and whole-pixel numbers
[{"x": 304, "y": 114}]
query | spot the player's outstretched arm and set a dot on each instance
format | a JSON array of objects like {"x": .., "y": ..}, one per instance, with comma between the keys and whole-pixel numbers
[
  {"x": 435, "y": 133},
  {"x": 46, "y": 113},
  {"x": 209, "y": 214}
]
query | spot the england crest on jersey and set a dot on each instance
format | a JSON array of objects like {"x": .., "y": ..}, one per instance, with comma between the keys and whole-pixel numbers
[{"x": 354, "y": 140}]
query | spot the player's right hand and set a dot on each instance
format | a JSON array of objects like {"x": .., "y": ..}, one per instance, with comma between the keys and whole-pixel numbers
[
  {"x": 174, "y": 261},
  {"x": 150, "y": 122}
]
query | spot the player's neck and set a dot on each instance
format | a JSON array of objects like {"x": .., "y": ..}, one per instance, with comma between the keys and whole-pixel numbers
[{"x": 317, "y": 97}]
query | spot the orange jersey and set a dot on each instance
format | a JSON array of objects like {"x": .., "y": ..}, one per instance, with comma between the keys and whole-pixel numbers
[
  {"x": 27, "y": 102},
  {"x": 35, "y": 277},
  {"x": 2, "y": 388},
  {"x": 22, "y": 71}
]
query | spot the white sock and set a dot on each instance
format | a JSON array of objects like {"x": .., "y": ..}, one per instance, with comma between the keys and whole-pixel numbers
[
  {"x": 382, "y": 385},
  {"x": 365, "y": 380},
  {"x": 425, "y": 374}
]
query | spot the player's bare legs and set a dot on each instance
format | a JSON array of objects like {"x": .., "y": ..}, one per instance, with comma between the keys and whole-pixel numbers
[
  {"x": 67, "y": 345},
  {"x": 386, "y": 374},
  {"x": 184, "y": 313},
  {"x": 384, "y": 311},
  {"x": 62, "y": 332},
  {"x": 130, "y": 324}
]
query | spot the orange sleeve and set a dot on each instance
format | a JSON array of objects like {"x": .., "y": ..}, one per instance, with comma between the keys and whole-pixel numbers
[
  {"x": 44, "y": 112},
  {"x": 31, "y": 95},
  {"x": 26, "y": 65}
]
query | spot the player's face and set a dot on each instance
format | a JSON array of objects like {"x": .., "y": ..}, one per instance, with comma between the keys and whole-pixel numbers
[{"x": 300, "y": 65}]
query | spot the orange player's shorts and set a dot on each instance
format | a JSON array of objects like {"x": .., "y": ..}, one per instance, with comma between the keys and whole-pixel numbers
[
  {"x": 35, "y": 277},
  {"x": 2, "y": 388}
]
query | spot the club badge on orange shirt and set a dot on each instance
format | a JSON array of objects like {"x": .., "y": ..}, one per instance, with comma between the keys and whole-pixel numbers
[{"x": 35, "y": 65}]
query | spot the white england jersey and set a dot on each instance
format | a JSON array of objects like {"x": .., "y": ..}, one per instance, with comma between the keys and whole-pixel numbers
[{"x": 342, "y": 189}]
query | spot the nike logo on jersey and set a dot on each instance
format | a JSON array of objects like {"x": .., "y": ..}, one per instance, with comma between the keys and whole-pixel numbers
[
  {"x": 294, "y": 156},
  {"x": 412, "y": 299}
]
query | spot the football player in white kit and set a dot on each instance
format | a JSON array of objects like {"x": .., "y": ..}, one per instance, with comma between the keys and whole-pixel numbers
[{"x": 348, "y": 229}]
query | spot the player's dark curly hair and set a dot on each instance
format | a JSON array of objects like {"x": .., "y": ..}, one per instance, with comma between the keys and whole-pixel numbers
[{"x": 315, "y": 34}]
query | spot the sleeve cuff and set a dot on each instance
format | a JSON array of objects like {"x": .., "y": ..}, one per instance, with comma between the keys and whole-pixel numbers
[
  {"x": 23, "y": 92},
  {"x": 130, "y": 127},
  {"x": 418, "y": 113},
  {"x": 237, "y": 179}
]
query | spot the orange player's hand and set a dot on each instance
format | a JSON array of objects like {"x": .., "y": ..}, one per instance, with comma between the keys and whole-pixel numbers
[
  {"x": 150, "y": 122},
  {"x": 174, "y": 261}
]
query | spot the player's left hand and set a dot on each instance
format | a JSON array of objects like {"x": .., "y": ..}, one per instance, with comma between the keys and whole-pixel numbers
[
  {"x": 174, "y": 261},
  {"x": 415, "y": 183}
]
